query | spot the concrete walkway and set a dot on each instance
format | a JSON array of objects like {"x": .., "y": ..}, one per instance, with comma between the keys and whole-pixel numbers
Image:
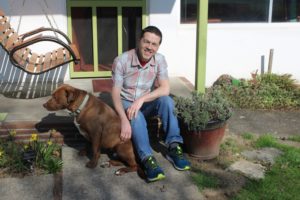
[{"x": 78, "y": 182}]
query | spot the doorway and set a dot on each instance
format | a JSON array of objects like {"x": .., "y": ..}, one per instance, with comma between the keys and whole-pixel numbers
[{"x": 102, "y": 30}]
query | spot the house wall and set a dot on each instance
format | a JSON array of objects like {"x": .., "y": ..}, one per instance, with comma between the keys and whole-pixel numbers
[{"x": 234, "y": 49}]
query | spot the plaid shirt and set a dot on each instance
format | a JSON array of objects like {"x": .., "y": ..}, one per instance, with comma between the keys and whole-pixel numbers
[{"x": 135, "y": 80}]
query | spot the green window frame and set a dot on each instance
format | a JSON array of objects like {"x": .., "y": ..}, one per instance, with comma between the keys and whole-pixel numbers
[{"x": 94, "y": 4}]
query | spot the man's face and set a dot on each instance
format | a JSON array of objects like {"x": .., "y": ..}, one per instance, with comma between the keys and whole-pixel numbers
[{"x": 148, "y": 46}]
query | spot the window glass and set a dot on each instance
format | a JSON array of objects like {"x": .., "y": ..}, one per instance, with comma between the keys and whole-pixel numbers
[
  {"x": 232, "y": 11},
  {"x": 188, "y": 11},
  {"x": 81, "y": 35},
  {"x": 286, "y": 11},
  {"x": 238, "y": 10},
  {"x": 107, "y": 25},
  {"x": 132, "y": 25}
]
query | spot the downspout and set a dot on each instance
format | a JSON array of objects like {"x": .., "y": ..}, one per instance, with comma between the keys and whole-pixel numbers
[
  {"x": 270, "y": 11},
  {"x": 202, "y": 15}
]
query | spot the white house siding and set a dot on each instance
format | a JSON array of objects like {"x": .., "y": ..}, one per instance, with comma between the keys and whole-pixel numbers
[{"x": 234, "y": 49}]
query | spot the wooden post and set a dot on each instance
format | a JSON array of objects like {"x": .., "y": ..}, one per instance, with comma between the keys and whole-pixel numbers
[
  {"x": 262, "y": 65},
  {"x": 270, "y": 61}
]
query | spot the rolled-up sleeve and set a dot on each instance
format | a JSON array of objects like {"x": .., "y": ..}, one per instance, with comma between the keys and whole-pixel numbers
[{"x": 162, "y": 68}]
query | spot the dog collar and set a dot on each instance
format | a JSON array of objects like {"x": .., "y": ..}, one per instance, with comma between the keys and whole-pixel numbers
[{"x": 78, "y": 110}]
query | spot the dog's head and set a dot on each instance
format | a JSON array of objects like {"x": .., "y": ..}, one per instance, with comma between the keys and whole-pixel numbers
[{"x": 62, "y": 98}]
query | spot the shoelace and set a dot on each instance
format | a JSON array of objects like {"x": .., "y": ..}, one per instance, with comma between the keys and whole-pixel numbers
[
  {"x": 178, "y": 152},
  {"x": 151, "y": 162}
]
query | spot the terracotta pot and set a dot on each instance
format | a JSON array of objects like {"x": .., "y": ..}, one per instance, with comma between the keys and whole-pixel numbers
[{"x": 204, "y": 144}]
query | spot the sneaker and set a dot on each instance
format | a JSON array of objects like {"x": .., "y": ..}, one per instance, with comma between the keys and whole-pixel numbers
[
  {"x": 152, "y": 170},
  {"x": 176, "y": 157}
]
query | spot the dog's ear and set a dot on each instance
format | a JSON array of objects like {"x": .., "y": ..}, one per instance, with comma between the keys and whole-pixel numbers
[{"x": 70, "y": 94}]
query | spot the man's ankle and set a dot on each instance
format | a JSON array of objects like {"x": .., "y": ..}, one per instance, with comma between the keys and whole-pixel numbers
[{"x": 173, "y": 145}]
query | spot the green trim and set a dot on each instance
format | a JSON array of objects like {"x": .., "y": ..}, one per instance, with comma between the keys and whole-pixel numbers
[
  {"x": 69, "y": 25},
  {"x": 3, "y": 116},
  {"x": 91, "y": 74},
  {"x": 95, "y": 38},
  {"x": 120, "y": 38},
  {"x": 201, "y": 45},
  {"x": 82, "y": 3},
  {"x": 99, "y": 3},
  {"x": 144, "y": 15}
]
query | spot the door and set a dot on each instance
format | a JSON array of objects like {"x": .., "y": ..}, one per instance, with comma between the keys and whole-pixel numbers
[{"x": 102, "y": 30}]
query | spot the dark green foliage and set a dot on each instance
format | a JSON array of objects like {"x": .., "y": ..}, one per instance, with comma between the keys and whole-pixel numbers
[
  {"x": 197, "y": 111},
  {"x": 20, "y": 158}
]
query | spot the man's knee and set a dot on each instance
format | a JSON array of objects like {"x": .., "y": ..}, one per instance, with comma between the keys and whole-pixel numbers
[
  {"x": 166, "y": 101},
  {"x": 138, "y": 120}
]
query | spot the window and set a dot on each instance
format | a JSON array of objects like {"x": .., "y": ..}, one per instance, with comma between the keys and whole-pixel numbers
[
  {"x": 235, "y": 11},
  {"x": 102, "y": 30},
  {"x": 286, "y": 11}
]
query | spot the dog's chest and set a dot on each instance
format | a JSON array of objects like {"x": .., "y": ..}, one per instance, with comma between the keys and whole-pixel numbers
[{"x": 82, "y": 132}]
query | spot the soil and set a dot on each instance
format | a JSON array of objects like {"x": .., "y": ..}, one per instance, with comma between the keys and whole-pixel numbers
[
  {"x": 229, "y": 183},
  {"x": 282, "y": 124}
]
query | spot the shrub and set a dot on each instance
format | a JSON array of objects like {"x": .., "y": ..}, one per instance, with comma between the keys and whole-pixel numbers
[{"x": 268, "y": 91}]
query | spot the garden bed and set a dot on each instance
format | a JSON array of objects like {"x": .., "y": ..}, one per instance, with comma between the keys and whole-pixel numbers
[{"x": 30, "y": 154}]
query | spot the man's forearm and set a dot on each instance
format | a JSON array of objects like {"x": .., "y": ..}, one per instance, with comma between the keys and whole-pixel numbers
[
  {"x": 162, "y": 90},
  {"x": 118, "y": 103}
]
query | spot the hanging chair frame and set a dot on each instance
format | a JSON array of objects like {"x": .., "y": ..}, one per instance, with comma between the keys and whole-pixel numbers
[{"x": 22, "y": 57}]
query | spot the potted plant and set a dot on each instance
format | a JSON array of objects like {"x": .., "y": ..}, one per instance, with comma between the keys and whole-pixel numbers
[{"x": 202, "y": 119}]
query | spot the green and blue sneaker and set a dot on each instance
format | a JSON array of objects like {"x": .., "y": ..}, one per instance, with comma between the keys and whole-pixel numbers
[
  {"x": 153, "y": 170},
  {"x": 176, "y": 157}
]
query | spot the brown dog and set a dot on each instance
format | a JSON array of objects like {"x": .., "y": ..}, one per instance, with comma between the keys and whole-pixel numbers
[{"x": 98, "y": 122}]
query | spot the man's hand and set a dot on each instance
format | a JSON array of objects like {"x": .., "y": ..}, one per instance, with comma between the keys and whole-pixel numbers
[
  {"x": 125, "y": 130},
  {"x": 133, "y": 110}
]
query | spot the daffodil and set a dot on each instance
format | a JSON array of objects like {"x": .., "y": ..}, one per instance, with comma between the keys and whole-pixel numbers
[
  {"x": 1, "y": 153},
  {"x": 49, "y": 142},
  {"x": 12, "y": 133},
  {"x": 26, "y": 146},
  {"x": 34, "y": 137}
]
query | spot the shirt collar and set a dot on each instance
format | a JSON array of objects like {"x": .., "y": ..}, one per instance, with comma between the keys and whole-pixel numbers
[{"x": 136, "y": 62}]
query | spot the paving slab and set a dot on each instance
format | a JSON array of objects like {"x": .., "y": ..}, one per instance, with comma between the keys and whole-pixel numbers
[
  {"x": 27, "y": 188},
  {"x": 82, "y": 183}
]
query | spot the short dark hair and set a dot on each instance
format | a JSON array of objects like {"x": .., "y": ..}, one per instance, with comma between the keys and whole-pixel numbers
[{"x": 152, "y": 29}]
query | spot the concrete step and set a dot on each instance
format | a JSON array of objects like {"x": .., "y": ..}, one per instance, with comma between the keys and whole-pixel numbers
[
  {"x": 60, "y": 132},
  {"x": 65, "y": 130}
]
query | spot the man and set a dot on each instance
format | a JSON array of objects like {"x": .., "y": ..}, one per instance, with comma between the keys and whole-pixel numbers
[{"x": 134, "y": 75}]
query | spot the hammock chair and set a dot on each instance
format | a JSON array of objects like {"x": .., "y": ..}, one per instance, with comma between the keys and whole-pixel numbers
[{"x": 33, "y": 63}]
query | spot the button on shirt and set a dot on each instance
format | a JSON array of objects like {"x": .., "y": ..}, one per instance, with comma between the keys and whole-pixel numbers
[{"x": 135, "y": 80}]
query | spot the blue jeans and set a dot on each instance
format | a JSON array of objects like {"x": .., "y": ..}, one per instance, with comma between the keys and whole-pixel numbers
[{"x": 162, "y": 107}]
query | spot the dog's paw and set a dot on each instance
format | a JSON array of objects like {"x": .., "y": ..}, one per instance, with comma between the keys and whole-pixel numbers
[
  {"x": 91, "y": 164},
  {"x": 105, "y": 164}
]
